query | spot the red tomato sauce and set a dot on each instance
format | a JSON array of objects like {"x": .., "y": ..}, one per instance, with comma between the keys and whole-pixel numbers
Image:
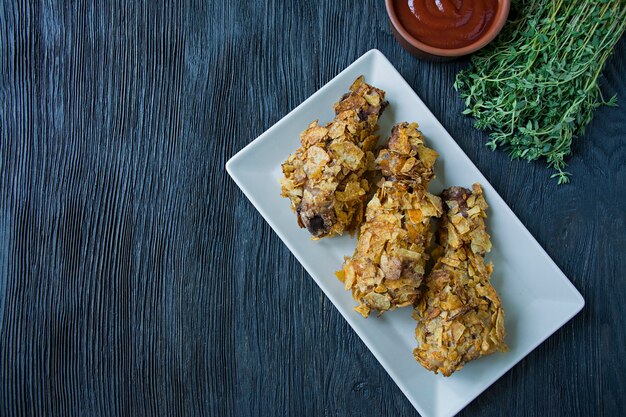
[{"x": 448, "y": 24}]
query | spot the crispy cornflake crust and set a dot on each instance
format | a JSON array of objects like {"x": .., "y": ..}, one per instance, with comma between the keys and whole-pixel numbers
[
  {"x": 460, "y": 316},
  {"x": 325, "y": 179},
  {"x": 387, "y": 267}
]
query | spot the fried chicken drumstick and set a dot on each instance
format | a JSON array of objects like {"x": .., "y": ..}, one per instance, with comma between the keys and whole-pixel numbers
[
  {"x": 325, "y": 179},
  {"x": 387, "y": 267},
  {"x": 460, "y": 316}
]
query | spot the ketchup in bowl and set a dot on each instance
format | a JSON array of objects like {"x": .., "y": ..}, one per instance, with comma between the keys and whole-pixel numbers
[{"x": 448, "y": 24}]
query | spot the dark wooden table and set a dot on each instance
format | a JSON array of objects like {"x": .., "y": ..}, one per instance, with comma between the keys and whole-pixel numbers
[{"x": 136, "y": 279}]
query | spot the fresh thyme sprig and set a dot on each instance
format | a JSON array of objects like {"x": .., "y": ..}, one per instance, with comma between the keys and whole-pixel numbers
[{"x": 536, "y": 86}]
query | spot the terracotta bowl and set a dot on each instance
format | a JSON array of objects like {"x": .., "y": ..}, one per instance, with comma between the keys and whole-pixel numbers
[{"x": 424, "y": 51}]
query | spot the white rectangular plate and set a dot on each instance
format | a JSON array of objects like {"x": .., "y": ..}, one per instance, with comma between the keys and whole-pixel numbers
[{"x": 537, "y": 297}]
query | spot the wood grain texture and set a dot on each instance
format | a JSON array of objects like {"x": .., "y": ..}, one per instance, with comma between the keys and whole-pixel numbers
[{"x": 135, "y": 278}]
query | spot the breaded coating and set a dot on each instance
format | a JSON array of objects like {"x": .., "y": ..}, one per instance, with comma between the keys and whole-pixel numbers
[
  {"x": 325, "y": 179},
  {"x": 387, "y": 267},
  {"x": 460, "y": 316}
]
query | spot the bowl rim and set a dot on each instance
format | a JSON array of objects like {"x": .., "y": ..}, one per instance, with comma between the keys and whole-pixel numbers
[{"x": 488, "y": 36}]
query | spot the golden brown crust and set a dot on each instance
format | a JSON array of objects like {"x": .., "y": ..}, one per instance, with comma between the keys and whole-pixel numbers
[
  {"x": 460, "y": 316},
  {"x": 387, "y": 267},
  {"x": 406, "y": 158},
  {"x": 325, "y": 178}
]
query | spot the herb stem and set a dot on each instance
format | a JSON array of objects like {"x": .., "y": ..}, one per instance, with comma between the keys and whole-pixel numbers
[{"x": 536, "y": 87}]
